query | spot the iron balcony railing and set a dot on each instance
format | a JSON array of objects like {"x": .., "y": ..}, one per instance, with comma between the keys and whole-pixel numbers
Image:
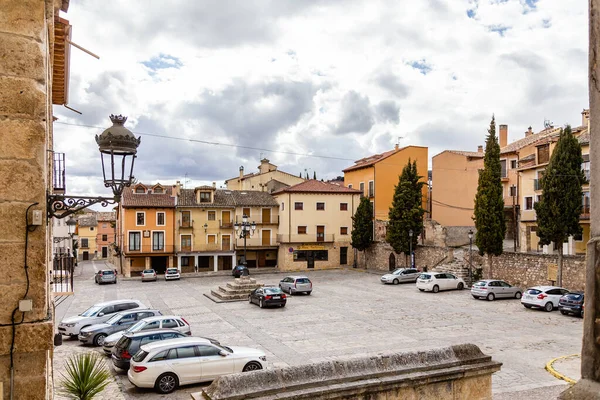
[
  {"x": 61, "y": 276},
  {"x": 205, "y": 247},
  {"x": 585, "y": 212},
  {"x": 225, "y": 224},
  {"x": 186, "y": 223},
  {"x": 274, "y": 220},
  {"x": 149, "y": 248},
  {"x": 307, "y": 238},
  {"x": 255, "y": 242},
  {"x": 58, "y": 175}
]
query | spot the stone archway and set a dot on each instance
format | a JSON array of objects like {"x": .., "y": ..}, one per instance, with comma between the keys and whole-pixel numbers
[{"x": 392, "y": 262}]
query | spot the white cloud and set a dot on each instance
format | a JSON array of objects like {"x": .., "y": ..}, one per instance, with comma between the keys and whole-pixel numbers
[{"x": 314, "y": 77}]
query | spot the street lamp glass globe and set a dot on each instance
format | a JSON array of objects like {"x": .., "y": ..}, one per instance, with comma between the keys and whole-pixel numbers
[
  {"x": 245, "y": 218},
  {"x": 410, "y": 233},
  {"x": 253, "y": 226},
  {"x": 470, "y": 233},
  {"x": 71, "y": 223}
]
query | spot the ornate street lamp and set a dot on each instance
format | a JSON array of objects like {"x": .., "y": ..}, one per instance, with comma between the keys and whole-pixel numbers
[
  {"x": 410, "y": 236},
  {"x": 470, "y": 233},
  {"x": 245, "y": 229},
  {"x": 118, "y": 148}
]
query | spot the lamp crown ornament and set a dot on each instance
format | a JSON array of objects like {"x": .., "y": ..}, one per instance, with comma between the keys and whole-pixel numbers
[{"x": 117, "y": 138}]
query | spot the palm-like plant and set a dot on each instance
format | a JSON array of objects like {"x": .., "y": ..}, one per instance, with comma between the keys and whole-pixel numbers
[{"x": 86, "y": 376}]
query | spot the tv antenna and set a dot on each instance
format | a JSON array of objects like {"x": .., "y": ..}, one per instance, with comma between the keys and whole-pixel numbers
[{"x": 548, "y": 124}]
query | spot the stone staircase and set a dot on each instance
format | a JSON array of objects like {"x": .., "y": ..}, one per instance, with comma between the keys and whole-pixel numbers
[
  {"x": 238, "y": 290},
  {"x": 459, "y": 265}
]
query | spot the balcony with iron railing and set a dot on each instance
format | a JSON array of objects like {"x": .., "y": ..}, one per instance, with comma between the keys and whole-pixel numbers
[
  {"x": 148, "y": 248},
  {"x": 185, "y": 223},
  {"x": 205, "y": 247},
  {"x": 256, "y": 242},
  {"x": 226, "y": 224},
  {"x": 586, "y": 173},
  {"x": 62, "y": 275},
  {"x": 307, "y": 238},
  {"x": 273, "y": 220},
  {"x": 585, "y": 212}
]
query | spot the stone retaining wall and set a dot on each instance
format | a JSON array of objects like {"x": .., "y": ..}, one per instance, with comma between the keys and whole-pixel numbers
[
  {"x": 526, "y": 270},
  {"x": 455, "y": 372}
]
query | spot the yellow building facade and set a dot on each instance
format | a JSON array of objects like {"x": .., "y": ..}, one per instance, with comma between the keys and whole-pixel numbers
[
  {"x": 376, "y": 176},
  {"x": 87, "y": 233},
  {"x": 268, "y": 179},
  {"x": 315, "y": 225}
]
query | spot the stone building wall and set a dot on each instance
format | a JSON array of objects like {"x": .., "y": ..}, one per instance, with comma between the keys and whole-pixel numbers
[
  {"x": 26, "y": 37},
  {"x": 378, "y": 257},
  {"x": 285, "y": 257},
  {"x": 526, "y": 270}
]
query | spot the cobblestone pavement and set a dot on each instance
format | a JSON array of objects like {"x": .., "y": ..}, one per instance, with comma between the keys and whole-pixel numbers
[{"x": 349, "y": 313}]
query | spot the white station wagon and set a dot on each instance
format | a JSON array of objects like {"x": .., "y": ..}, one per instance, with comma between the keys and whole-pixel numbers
[
  {"x": 167, "y": 364},
  {"x": 436, "y": 281}
]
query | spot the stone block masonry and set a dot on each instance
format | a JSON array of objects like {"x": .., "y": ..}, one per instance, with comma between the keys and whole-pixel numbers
[
  {"x": 378, "y": 257},
  {"x": 455, "y": 372}
]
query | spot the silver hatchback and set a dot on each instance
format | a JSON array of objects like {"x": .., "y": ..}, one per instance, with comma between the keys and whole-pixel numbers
[
  {"x": 106, "y": 276},
  {"x": 491, "y": 289},
  {"x": 296, "y": 284}
]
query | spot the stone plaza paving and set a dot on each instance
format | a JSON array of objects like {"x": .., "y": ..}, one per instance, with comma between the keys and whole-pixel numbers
[{"x": 348, "y": 313}]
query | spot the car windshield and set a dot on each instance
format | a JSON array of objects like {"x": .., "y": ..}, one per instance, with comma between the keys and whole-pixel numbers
[
  {"x": 172, "y": 271},
  {"x": 90, "y": 312},
  {"x": 136, "y": 327},
  {"x": 139, "y": 356},
  {"x": 302, "y": 280},
  {"x": 480, "y": 283},
  {"x": 273, "y": 291},
  {"x": 148, "y": 271},
  {"x": 533, "y": 291},
  {"x": 108, "y": 273},
  {"x": 114, "y": 319},
  {"x": 397, "y": 271},
  {"x": 425, "y": 276}
]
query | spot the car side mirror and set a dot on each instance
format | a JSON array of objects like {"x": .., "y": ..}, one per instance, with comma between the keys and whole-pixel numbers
[
  {"x": 223, "y": 353},
  {"x": 101, "y": 314}
]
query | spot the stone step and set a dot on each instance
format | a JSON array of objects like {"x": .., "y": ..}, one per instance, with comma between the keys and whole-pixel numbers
[
  {"x": 226, "y": 296},
  {"x": 231, "y": 291},
  {"x": 249, "y": 287}
]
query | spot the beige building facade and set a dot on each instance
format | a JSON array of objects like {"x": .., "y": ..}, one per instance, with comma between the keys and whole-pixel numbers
[
  {"x": 315, "y": 225},
  {"x": 268, "y": 179}
]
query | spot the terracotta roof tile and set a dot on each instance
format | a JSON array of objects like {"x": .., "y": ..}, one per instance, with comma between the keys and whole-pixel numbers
[
  {"x": 87, "y": 220},
  {"x": 368, "y": 161},
  {"x": 477, "y": 154},
  {"x": 162, "y": 200},
  {"x": 188, "y": 199},
  {"x": 528, "y": 140},
  {"x": 107, "y": 216},
  {"x": 228, "y": 199},
  {"x": 313, "y": 186}
]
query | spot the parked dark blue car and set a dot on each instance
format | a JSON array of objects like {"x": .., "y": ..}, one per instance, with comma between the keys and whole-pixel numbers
[{"x": 571, "y": 303}]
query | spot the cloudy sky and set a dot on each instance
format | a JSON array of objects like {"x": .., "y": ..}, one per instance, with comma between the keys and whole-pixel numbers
[{"x": 293, "y": 79}]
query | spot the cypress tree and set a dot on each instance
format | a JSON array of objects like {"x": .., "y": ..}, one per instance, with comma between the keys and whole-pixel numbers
[
  {"x": 560, "y": 206},
  {"x": 406, "y": 212},
  {"x": 362, "y": 226},
  {"x": 300, "y": 175},
  {"x": 489, "y": 202},
  {"x": 315, "y": 175}
]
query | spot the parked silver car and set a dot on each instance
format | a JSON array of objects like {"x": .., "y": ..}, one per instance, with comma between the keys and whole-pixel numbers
[
  {"x": 159, "y": 322},
  {"x": 491, "y": 289},
  {"x": 95, "y": 334},
  {"x": 105, "y": 276},
  {"x": 148, "y": 275},
  {"x": 401, "y": 275},
  {"x": 296, "y": 284}
]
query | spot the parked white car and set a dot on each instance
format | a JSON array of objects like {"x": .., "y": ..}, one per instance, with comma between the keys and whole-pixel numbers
[
  {"x": 168, "y": 364},
  {"x": 436, "y": 281},
  {"x": 545, "y": 297},
  {"x": 159, "y": 322},
  {"x": 172, "y": 273},
  {"x": 97, "y": 314},
  {"x": 401, "y": 275}
]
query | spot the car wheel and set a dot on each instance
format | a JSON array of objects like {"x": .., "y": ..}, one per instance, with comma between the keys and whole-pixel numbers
[
  {"x": 526, "y": 306},
  {"x": 308, "y": 293},
  {"x": 518, "y": 295},
  {"x": 563, "y": 312},
  {"x": 250, "y": 299},
  {"x": 166, "y": 383},
  {"x": 290, "y": 291},
  {"x": 252, "y": 366},
  {"x": 436, "y": 288},
  {"x": 99, "y": 339},
  {"x": 395, "y": 282},
  {"x": 475, "y": 297},
  {"x": 549, "y": 306},
  {"x": 490, "y": 297},
  {"x": 460, "y": 286},
  {"x": 261, "y": 304},
  {"x": 282, "y": 305}
]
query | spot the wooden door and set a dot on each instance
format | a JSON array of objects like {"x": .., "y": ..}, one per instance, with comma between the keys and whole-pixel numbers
[
  {"x": 343, "y": 255},
  {"x": 246, "y": 212},
  {"x": 266, "y": 215},
  {"x": 86, "y": 255},
  {"x": 266, "y": 237},
  {"x": 104, "y": 252},
  {"x": 262, "y": 260},
  {"x": 226, "y": 219},
  {"x": 320, "y": 233},
  {"x": 225, "y": 243}
]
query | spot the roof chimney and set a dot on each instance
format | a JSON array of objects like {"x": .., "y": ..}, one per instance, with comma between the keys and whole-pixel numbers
[
  {"x": 241, "y": 171},
  {"x": 585, "y": 117},
  {"x": 396, "y": 147},
  {"x": 528, "y": 132},
  {"x": 503, "y": 135},
  {"x": 215, "y": 185},
  {"x": 480, "y": 149},
  {"x": 264, "y": 166}
]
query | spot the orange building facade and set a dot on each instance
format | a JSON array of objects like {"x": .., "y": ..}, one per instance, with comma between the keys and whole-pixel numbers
[
  {"x": 147, "y": 223},
  {"x": 106, "y": 235},
  {"x": 376, "y": 176}
]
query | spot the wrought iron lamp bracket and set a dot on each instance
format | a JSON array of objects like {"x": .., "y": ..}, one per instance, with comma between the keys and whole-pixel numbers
[{"x": 61, "y": 206}]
